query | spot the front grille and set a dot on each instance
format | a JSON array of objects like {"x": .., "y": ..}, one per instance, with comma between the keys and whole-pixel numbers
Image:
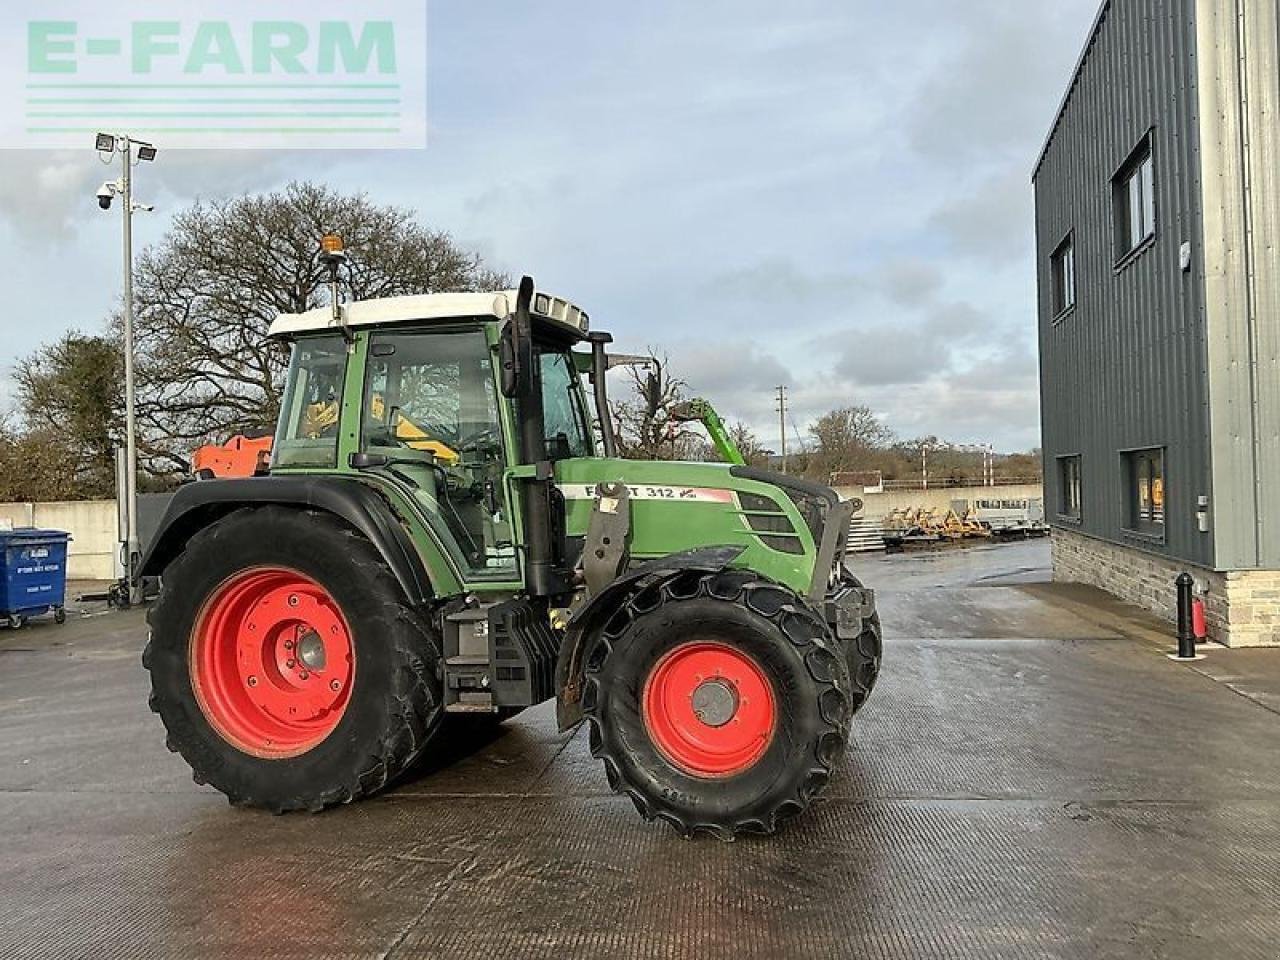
[
  {"x": 758, "y": 503},
  {"x": 813, "y": 510},
  {"x": 774, "y": 528},
  {"x": 770, "y": 524},
  {"x": 791, "y": 545},
  {"x": 813, "y": 500}
]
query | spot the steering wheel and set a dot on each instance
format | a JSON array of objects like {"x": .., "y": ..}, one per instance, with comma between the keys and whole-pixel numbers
[{"x": 487, "y": 437}]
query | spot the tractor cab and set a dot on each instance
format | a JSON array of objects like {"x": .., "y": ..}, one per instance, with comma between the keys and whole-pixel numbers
[{"x": 415, "y": 393}]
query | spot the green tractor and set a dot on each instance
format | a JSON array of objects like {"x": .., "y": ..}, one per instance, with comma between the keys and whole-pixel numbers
[{"x": 446, "y": 529}]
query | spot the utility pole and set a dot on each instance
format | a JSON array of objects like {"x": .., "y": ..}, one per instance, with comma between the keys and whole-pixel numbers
[
  {"x": 108, "y": 144},
  {"x": 782, "y": 425}
]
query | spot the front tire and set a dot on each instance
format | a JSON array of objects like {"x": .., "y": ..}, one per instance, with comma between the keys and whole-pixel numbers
[
  {"x": 286, "y": 666},
  {"x": 718, "y": 703}
]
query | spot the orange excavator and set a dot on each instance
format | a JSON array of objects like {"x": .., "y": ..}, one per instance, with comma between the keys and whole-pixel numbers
[{"x": 240, "y": 456}]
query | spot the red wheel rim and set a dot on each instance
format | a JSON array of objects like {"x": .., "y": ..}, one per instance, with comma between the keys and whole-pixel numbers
[
  {"x": 272, "y": 662},
  {"x": 709, "y": 709}
]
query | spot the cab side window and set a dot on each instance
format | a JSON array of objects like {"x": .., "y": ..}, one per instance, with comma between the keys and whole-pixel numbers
[
  {"x": 308, "y": 431},
  {"x": 563, "y": 415}
]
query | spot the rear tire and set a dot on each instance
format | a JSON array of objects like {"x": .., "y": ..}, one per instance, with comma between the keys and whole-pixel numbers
[
  {"x": 385, "y": 701},
  {"x": 718, "y": 703}
]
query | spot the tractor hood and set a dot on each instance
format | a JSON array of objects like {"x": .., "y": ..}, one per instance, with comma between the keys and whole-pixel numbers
[{"x": 780, "y": 522}]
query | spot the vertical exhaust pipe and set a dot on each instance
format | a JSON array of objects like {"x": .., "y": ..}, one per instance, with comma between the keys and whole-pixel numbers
[
  {"x": 600, "y": 367},
  {"x": 539, "y": 538}
]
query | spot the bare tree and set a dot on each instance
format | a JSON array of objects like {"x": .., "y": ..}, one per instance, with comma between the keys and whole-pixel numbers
[
  {"x": 748, "y": 444},
  {"x": 846, "y": 439},
  {"x": 208, "y": 292},
  {"x": 644, "y": 425}
]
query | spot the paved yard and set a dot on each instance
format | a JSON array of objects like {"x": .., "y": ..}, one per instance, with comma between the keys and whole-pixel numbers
[{"x": 1031, "y": 779}]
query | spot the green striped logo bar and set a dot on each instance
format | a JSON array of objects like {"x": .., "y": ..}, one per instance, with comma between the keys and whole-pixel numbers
[{"x": 271, "y": 74}]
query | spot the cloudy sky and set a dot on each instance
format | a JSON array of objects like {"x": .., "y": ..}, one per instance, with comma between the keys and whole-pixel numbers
[{"x": 833, "y": 196}]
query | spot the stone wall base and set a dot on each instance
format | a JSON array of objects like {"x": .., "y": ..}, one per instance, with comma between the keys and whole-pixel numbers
[{"x": 1242, "y": 607}]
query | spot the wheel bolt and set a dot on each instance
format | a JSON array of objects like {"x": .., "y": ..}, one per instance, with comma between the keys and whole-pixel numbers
[
  {"x": 303, "y": 675},
  {"x": 288, "y": 644},
  {"x": 293, "y": 599},
  {"x": 291, "y": 664},
  {"x": 253, "y": 681},
  {"x": 335, "y": 686}
]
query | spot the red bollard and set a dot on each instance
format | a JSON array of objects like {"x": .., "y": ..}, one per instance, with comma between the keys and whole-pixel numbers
[{"x": 1199, "y": 628}]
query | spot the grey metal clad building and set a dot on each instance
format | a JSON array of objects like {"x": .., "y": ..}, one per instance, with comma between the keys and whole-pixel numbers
[{"x": 1158, "y": 250}]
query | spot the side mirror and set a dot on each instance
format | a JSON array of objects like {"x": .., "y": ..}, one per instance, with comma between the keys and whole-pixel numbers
[
  {"x": 558, "y": 448},
  {"x": 368, "y": 461},
  {"x": 515, "y": 348},
  {"x": 511, "y": 365}
]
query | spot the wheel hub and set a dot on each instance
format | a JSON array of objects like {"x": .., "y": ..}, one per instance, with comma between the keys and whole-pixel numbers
[
  {"x": 311, "y": 650},
  {"x": 272, "y": 662},
  {"x": 709, "y": 709},
  {"x": 715, "y": 702}
]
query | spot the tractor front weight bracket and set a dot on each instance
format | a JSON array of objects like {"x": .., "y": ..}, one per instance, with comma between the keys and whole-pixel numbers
[{"x": 608, "y": 545}]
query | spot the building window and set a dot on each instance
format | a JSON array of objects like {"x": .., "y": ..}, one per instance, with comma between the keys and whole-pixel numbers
[
  {"x": 1069, "y": 487},
  {"x": 1063, "y": 263},
  {"x": 1144, "y": 477},
  {"x": 1133, "y": 192}
]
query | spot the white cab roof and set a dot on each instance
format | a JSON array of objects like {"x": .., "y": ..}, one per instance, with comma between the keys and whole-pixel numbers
[{"x": 432, "y": 306}]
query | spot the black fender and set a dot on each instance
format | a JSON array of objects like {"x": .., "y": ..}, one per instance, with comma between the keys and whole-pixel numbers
[
  {"x": 204, "y": 502},
  {"x": 591, "y": 618}
]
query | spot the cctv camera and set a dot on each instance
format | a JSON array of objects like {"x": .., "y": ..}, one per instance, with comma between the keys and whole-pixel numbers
[{"x": 105, "y": 196}]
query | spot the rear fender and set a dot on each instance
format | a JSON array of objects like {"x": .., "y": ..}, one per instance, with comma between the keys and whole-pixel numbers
[
  {"x": 197, "y": 505},
  {"x": 591, "y": 618}
]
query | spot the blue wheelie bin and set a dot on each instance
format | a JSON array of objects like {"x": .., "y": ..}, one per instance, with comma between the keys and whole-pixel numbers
[{"x": 33, "y": 574}]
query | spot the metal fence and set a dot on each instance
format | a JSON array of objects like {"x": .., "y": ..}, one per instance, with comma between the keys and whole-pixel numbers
[{"x": 944, "y": 483}]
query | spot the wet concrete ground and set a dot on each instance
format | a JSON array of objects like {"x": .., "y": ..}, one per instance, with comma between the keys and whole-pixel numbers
[{"x": 1032, "y": 778}]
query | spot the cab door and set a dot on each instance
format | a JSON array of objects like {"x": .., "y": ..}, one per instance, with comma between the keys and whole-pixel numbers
[{"x": 430, "y": 407}]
